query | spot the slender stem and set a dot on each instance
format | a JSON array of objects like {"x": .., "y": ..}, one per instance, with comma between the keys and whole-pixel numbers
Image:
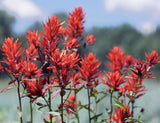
[
  {"x": 31, "y": 110},
  {"x": 62, "y": 104},
  {"x": 20, "y": 103},
  {"x": 111, "y": 103},
  {"x": 50, "y": 109},
  {"x": 76, "y": 107},
  {"x": 89, "y": 103},
  {"x": 49, "y": 99},
  {"x": 132, "y": 112}
]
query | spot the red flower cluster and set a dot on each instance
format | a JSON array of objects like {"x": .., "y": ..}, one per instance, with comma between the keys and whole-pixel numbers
[
  {"x": 35, "y": 88},
  {"x": 90, "y": 39},
  {"x": 75, "y": 23},
  {"x": 121, "y": 115},
  {"x": 89, "y": 69},
  {"x": 71, "y": 104},
  {"x": 62, "y": 63},
  {"x": 115, "y": 79},
  {"x": 13, "y": 52},
  {"x": 119, "y": 62}
]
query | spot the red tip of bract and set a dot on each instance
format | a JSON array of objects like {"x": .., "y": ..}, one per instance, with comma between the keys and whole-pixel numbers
[
  {"x": 115, "y": 79},
  {"x": 12, "y": 52},
  {"x": 70, "y": 104},
  {"x": 121, "y": 115},
  {"x": 89, "y": 69},
  {"x": 118, "y": 60},
  {"x": 76, "y": 21},
  {"x": 33, "y": 38},
  {"x": 35, "y": 88},
  {"x": 152, "y": 58},
  {"x": 90, "y": 39}
]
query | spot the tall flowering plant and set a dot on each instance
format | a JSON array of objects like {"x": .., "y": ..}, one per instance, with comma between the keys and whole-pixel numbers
[{"x": 43, "y": 70}]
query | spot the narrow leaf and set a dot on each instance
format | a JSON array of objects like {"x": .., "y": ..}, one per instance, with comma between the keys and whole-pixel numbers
[
  {"x": 6, "y": 89},
  {"x": 96, "y": 116},
  {"x": 120, "y": 104}
]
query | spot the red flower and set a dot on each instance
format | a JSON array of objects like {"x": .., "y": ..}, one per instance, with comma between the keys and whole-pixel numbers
[
  {"x": 13, "y": 52},
  {"x": 31, "y": 52},
  {"x": 152, "y": 58},
  {"x": 75, "y": 24},
  {"x": 70, "y": 104},
  {"x": 119, "y": 62},
  {"x": 89, "y": 69},
  {"x": 51, "y": 35},
  {"x": 133, "y": 88},
  {"x": 90, "y": 39},
  {"x": 35, "y": 88},
  {"x": 31, "y": 70},
  {"x": 115, "y": 79},
  {"x": 33, "y": 38},
  {"x": 121, "y": 115},
  {"x": 61, "y": 65},
  {"x": 141, "y": 70},
  {"x": 76, "y": 79},
  {"x": 71, "y": 44}
]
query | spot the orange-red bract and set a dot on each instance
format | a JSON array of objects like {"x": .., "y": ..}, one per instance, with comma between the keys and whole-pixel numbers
[
  {"x": 89, "y": 69},
  {"x": 114, "y": 80},
  {"x": 13, "y": 52},
  {"x": 121, "y": 115}
]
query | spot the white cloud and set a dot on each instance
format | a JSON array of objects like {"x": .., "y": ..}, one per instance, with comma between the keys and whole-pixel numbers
[
  {"x": 22, "y": 8},
  {"x": 133, "y": 5},
  {"x": 147, "y": 27}
]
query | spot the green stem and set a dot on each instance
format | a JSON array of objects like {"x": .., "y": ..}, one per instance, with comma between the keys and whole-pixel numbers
[
  {"x": 89, "y": 103},
  {"x": 50, "y": 109},
  {"x": 61, "y": 108},
  {"x": 19, "y": 98},
  {"x": 111, "y": 103},
  {"x": 76, "y": 108},
  {"x": 31, "y": 110}
]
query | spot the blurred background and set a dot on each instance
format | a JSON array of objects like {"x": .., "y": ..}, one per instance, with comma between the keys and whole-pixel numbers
[{"x": 134, "y": 25}]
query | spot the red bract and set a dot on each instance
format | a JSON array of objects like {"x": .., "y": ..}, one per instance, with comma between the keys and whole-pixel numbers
[
  {"x": 75, "y": 23},
  {"x": 31, "y": 52},
  {"x": 119, "y": 62},
  {"x": 141, "y": 70},
  {"x": 121, "y": 115},
  {"x": 76, "y": 79},
  {"x": 152, "y": 58},
  {"x": 90, "y": 39},
  {"x": 1, "y": 68},
  {"x": 12, "y": 51},
  {"x": 115, "y": 79},
  {"x": 35, "y": 88},
  {"x": 62, "y": 63},
  {"x": 71, "y": 44},
  {"x": 30, "y": 69},
  {"x": 89, "y": 69},
  {"x": 133, "y": 88},
  {"x": 51, "y": 35},
  {"x": 33, "y": 38},
  {"x": 70, "y": 104}
]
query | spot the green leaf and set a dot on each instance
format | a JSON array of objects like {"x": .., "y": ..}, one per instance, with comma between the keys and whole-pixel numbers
[
  {"x": 97, "y": 101},
  {"x": 96, "y": 116},
  {"x": 120, "y": 104},
  {"x": 42, "y": 107},
  {"x": 78, "y": 90},
  {"x": 135, "y": 120},
  {"x": 86, "y": 107}
]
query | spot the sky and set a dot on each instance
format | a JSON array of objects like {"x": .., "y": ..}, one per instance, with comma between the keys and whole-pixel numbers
[{"x": 141, "y": 14}]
